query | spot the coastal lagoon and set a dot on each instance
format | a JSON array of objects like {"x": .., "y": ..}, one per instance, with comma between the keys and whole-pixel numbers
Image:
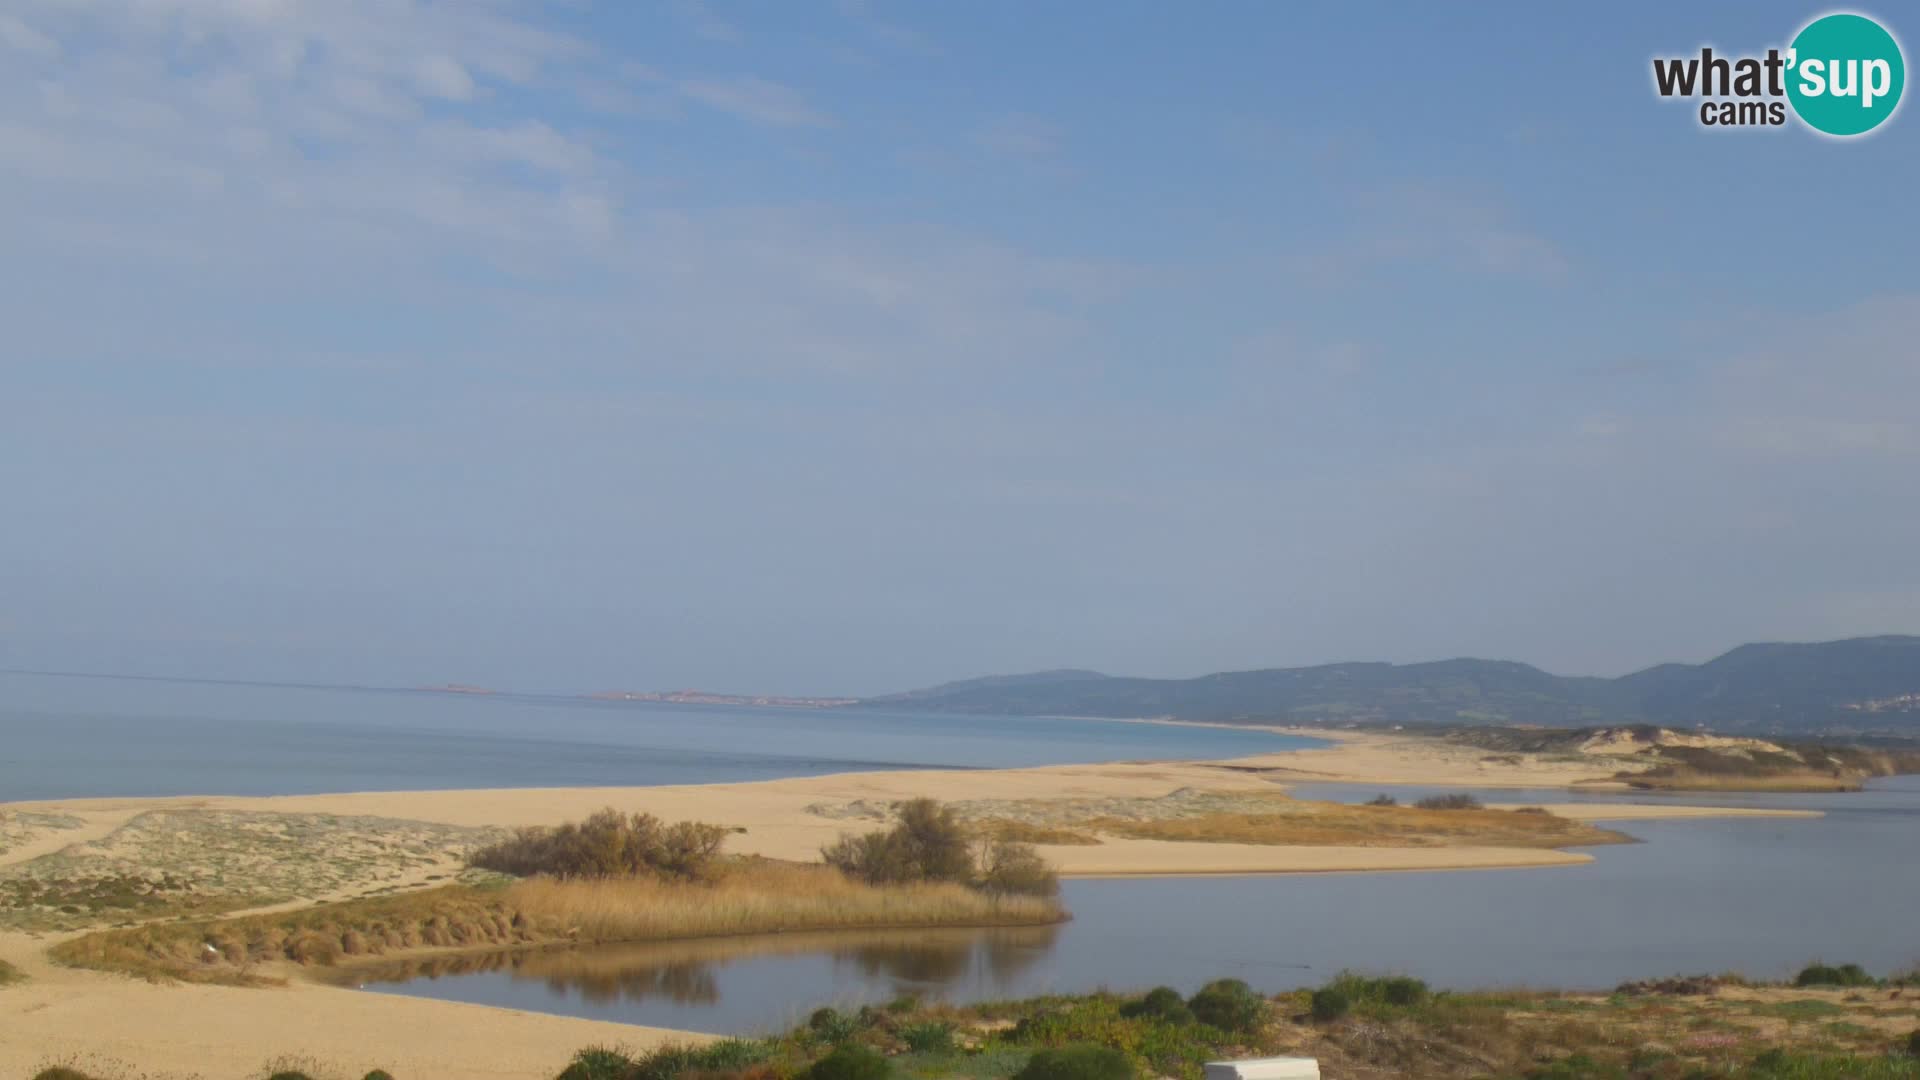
[
  {"x": 1759, "y": 895},
  {"x": 1762, "y": 896},
  {"x": 76, "y": 737}
]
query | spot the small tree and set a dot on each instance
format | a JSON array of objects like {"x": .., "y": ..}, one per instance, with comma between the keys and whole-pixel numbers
[{"x": 1010, "y": 868}]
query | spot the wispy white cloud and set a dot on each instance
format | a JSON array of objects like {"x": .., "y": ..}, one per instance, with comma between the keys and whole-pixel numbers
[
  {"x": 756, "y": 99},
  {"x": 17, "y": 35}
]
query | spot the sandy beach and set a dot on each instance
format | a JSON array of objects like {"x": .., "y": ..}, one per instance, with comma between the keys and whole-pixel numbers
[{"x": 164, "y": 1031}]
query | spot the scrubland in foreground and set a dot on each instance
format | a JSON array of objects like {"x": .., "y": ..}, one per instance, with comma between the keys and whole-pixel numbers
[
  {"x": 745, "y": 897},
  {"x": 1359, "y": 1028}
]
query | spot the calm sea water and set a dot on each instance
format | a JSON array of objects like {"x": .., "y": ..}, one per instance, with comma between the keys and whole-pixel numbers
[
  {"x": 1762, "y": 896},
  {"x": 66, "y": 737}
]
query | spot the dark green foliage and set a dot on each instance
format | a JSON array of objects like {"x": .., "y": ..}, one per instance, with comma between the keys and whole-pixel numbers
[
  {"x": 1828, "y": 975},
  {"x": 1460, "y": 801},
  {"x": 1228, "y": 1004},
  {"x": 1394, "y": 991},
  {"x": 1913, "y": 1044},
  {"x": 851, "y": 1061},
  {"x": 378, "y": 1074},
  {"x": 1162, "y": 1003},
  {"x": 905, "y": 1003},
  {"x": 607, "y": 844},
  {"x": 1330, "y": 1003},
  {"x": 597, "y": 1063},
  {"x": 1080, "y": 1062},
  {"x": 1383, "y": 800},
  {"x": 832, "y": 1025},
  {"x": 931, "y": 1037},
  {"x": 60, "y": 1072},
  {"x": 668, "y": 1062},
  {"x": 289, "y": 1074}
]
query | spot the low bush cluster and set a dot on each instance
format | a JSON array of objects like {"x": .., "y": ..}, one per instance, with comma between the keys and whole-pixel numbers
[
  {"x": 668, "y": 1062},
  {"x": 607, "y": 844},
  {"x": 928, "y": 843},
  {"x": 1162, "y": 1003},
  {"x": 850, "y": 1061},
  {"x": 1458, "y": 801},
  {"x": 1082, "y": 1061},
  {"x": 1829, "y": 975},
  {"x": 1228, "y": 1004},
  {"x": 1348, "y": 991}
]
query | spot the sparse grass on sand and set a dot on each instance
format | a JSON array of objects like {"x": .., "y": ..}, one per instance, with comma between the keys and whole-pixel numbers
[
  {"x": 1368, "y": 826},
  {"x": 1682, "y": 779},
  {"x": 10, "y": 974},
  {"x": 1253, "y": 817},
  {"x": 1026, "y": 832},
  {"x": 746, "y": 897}
]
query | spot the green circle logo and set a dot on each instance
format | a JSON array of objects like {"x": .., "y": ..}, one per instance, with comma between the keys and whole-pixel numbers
[{"x": 1845, "y": 74}]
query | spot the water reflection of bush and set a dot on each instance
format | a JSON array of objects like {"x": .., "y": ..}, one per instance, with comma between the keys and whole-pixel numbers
[{"x": 686, "y": 972}]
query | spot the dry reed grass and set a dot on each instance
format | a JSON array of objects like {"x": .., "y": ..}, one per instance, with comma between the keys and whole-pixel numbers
[
  {"x": 761, "y": 897},
  {"x": 748, "y": 897}
]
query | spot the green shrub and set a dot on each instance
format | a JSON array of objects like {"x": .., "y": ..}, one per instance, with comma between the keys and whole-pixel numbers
[
  {"x": 850, "y": 1061},
  {"x": 1330, "y": 1003},
  {"x": 931, "y": 1037},
  {"x": 289, "y": 1074},
  {"x": 1229, "y": 1005},
  {"x": 1461, "y": 801},
  {"x": 668, "y": 1062},
  {"x": 1383, "y": 800},
  {"x": 1080, "y": 1062},
  {"x": 1398, "y": 991},
  {"x": 1162, "y": 1003},
  {"x": 378, "y": 1074},
  {"x": 606, "y": 844},
  {"x": 1913, "y": 1044},
  {"x": 832, "y": 1025},
  {"x": 598, "y": 1063},
  {"x": 1827, "y": 975},
  {"x": 60, "y": 1072}
]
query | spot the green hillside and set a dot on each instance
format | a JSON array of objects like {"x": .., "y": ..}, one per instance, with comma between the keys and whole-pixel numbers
[{"x": 1858, "y": 686}]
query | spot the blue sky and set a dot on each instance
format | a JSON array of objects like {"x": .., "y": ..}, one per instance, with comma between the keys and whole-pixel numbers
[{"x": 849, "y": 347}]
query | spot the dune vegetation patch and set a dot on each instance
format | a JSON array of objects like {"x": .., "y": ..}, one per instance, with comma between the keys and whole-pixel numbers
[
  {"x": 193, "y": 863},
  {"x": 18, "y": 827},
  {"x": 1191, "y": 815}
]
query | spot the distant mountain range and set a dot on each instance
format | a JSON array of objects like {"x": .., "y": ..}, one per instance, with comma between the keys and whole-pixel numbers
[{"x": 1861, "y": 686}]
